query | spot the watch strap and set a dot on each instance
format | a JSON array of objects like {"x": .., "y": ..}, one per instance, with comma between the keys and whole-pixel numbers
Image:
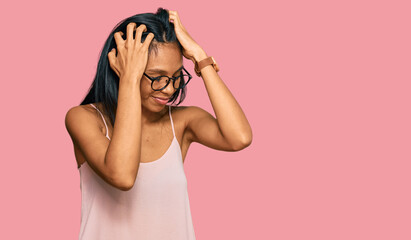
[{"x": 203, "y": 63}]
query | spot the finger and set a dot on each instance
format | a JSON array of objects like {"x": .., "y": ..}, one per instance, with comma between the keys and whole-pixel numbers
[
  {"x": 112, "y": 60},
  {"x": 176, "y": 18},
  {"x": 112, "y": 55},
  {"x": 148, "y": 40},
  {"x": 170, "y": 15},
  {"x": 119, "y": 39},
  {"x": 117, "y": 72},
  {"x": 139, "y": 31},
  {"x": 130, "y": 30}
]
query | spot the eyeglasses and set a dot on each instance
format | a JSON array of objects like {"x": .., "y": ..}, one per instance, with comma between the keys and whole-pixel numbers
[{"x": 161, "y": 82}]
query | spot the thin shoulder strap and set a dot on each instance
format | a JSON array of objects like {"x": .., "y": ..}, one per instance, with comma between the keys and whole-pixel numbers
[
  {"x": 103, "y": 120},
  {"x": 172, "y": 124}
]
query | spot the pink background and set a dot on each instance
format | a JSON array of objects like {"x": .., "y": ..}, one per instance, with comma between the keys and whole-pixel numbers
[{"x": 325, "y": 86}]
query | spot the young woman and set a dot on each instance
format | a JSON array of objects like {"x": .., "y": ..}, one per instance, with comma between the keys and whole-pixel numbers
[{"x": 130, "y": 145}]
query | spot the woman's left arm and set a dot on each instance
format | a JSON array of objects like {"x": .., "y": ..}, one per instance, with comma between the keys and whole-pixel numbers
[
  {"x": 230, "y": 129},
  {"x": 230, "y": 118}
]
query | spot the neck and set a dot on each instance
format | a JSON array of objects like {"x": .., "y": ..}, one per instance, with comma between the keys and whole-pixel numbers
[{"x": 149, "y": 117}]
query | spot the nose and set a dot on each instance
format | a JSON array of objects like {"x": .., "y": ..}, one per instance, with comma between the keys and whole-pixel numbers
[{"x": 169, "y": 90}]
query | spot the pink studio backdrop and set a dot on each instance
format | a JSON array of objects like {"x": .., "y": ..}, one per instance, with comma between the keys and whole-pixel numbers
[{"x": 325, "y": 86}]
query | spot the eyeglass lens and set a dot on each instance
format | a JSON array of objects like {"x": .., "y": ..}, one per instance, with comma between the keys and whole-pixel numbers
[{"x": 162, "y": 82}]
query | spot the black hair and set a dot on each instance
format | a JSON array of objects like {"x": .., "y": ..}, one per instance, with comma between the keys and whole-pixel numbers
[{"x": 105, "y": 86}]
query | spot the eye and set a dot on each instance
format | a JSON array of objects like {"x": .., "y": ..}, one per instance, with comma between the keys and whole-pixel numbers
[{"x": 156, "y": 77}]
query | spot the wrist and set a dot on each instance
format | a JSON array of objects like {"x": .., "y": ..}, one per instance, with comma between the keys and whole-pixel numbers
[
  {"x": 209, "y": 61},
  {"x": 200, "y": 56},
  {"x": 131, "y": 78}
]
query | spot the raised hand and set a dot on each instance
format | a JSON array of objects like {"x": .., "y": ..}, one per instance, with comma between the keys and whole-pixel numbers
[
  {"x": 191, "y": 50},
  {"x": 132, "y": 57}
]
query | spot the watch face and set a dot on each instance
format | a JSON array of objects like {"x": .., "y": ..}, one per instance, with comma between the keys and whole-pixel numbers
[{"x": 215, "y": 65}]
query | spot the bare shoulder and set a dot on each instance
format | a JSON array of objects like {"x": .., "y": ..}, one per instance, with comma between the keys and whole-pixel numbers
[
  {"x": 187, "y": 110},
  {"x": 188, "y": 113},
  {"x": 81, "y": 111},
  {"x": 79, "y": 115},
  {"x": 179, "y": 114},
  {"x": 178, "y": 108},
  {"x": 195, "y": 120}
]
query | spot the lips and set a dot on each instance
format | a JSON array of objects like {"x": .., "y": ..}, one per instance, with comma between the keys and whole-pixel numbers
[
  {"x": 161, "y": 101},
  {"x": 162, "y": 98}
]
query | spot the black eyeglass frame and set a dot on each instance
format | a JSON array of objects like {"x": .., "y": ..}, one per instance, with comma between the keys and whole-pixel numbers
[{"x": 168, "y": 81}]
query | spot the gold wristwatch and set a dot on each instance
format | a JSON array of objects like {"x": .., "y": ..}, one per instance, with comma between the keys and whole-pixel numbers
[{"x": 205, "y": 62}]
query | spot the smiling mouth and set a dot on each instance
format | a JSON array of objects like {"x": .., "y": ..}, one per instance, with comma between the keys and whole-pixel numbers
[
  {"x": 161, "y": 98},
  {"x": 161, "y": 101}
]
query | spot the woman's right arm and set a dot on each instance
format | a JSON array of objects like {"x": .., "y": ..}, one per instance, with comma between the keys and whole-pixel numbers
[
  {"x": 115, "y": 161},
  {"x": 118, "y": 163},
  {"x": 123, "y": 153}
]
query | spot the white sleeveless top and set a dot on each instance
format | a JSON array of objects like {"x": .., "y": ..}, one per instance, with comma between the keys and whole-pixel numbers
[{"x": 156, "y": 208}]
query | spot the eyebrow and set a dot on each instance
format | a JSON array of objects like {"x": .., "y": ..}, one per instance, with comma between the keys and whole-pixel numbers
[{"x": 161, "y": 71}]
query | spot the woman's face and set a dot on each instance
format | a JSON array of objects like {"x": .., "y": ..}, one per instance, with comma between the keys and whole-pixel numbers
[{"x": 167, "y": 61}]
